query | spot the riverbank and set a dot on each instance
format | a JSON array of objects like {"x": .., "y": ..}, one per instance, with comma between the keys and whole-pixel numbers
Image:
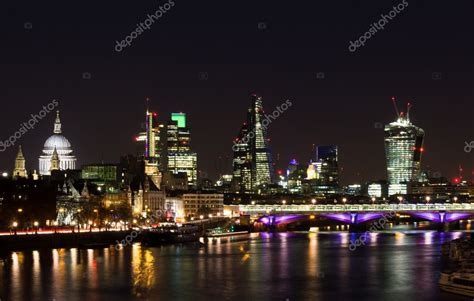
[{"x": 61, "y": 240}]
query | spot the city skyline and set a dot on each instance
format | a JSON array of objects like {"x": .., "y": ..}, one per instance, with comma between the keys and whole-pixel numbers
[
  {"x": 340, "y": 98},
  {"x": 162, "y": 119}
]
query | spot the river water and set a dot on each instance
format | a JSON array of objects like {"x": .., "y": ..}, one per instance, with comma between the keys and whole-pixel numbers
[{"x": 394, "y": 265}]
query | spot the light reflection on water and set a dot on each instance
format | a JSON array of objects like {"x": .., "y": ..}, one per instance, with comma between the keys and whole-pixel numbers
[
  {"x": 397, "y": 265},
  {"x": 143, "y": 265}
]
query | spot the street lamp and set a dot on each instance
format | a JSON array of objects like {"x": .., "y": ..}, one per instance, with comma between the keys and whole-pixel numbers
[
  {"x": 427, "y": 199},
  {"x": 36, "y": 224},
  {"x": 455, "y": 199},
  {"x": 73, "y": 224},
  {"x": 283, "y": 202},
  {"x": 15, "y": 224},
  {"x": 344, "y": 200},
  {"x": 373, "y": 200},
  {"x": 210, "y": 215},
  {"x": 20, "y": 210},
  {"x": 313, "y": 201},
  {"x": 253, "y": 202}
]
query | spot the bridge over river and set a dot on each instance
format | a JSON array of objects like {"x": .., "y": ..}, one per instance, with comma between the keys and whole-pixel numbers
[{"x": 359, "y": 213}]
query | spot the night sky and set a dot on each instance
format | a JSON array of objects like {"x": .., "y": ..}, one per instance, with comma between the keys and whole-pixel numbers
[{"x": 205, "y": 58}]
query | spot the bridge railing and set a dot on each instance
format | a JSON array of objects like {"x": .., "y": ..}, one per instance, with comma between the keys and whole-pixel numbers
[{"x": 355, "y": 207}]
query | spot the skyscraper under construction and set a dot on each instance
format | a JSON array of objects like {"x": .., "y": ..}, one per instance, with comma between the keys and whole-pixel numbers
[
  {"x": 252, "y": 164},
  {"x": 403, "y": 149}
]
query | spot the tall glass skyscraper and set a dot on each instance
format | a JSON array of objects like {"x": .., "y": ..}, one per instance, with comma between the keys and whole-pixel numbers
[
  {"x": 327, "y": 164},
  {"x": 403, "y": 150},
  {"x": 177, "y": 156},
  {"x": 252, "y": 165},
  {"x": 149, "y": 140}
]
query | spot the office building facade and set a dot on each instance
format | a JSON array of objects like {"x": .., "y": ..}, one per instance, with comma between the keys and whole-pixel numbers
[
  {"x": 403, "y": 150},
  {"x": 252, "y": 164}
]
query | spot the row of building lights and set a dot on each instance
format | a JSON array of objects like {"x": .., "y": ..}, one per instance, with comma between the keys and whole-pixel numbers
[
  {"x": 373, "y": 199},
  {"x": 201, "y": 217}
]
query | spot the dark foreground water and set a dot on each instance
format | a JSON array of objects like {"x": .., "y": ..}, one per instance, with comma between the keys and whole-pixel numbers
[{"x": 398, "y": 265}]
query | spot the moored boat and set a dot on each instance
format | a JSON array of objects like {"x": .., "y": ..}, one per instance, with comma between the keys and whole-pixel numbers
[
  {"x": 461, "y": 283},
  {"x": 170, "y": 234}
]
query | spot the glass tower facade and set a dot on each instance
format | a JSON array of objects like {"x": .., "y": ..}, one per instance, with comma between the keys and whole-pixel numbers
[
  {"x": 403, "y": 150},
  {"x": 149, "y": 140},
  {"x": 327, "y": 167},
  {"x": 177, "y": 155},
  {"x": 252, "y": 165}
]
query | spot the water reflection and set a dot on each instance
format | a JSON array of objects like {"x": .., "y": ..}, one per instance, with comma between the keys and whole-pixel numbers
[
  {"x": 313, "y": 265},
  {"x": 143, "y": 264},
  {"x": 302, "y": 266}
]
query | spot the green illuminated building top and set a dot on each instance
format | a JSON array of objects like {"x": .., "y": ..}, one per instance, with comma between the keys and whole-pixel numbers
[{"x": 180, "y": 118}]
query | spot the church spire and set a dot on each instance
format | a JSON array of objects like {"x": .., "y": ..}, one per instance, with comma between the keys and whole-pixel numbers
[
  {"x": 20, "y": 170},
  {"x": 85, "y": 191},
  {"x": 57, "y": 124},
  {"x": 19, "y": 155}
]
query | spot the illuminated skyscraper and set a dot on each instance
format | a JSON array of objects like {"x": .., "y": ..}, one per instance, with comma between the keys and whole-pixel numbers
[
  {"x": 177, "y": 156},
  {"x": 403, "y": 149},
  {"x": 149, "y": 147},
  {"x": 178, "y": 136},
  {"x": 242, "y": 164},
  {"x": 323, "y": 170},
  {"x": 150, "y": 143},
  {"x": 327, "y": 164},
  {"x": 252, "y": 158},
  {"x": 149, "y": 140}
]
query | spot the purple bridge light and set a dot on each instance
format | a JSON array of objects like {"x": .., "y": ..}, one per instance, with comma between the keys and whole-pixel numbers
[
  {"x": 275, "y": 220},
  {"x": 441, "y": 217},
  {"x": 357, "y": 218}
]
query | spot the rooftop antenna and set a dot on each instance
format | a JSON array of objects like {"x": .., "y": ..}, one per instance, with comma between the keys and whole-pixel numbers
[
  {"x": 395, "y": 106},
  {"x": 147, "y": 103},
  {"x": 409, "y": 105}
]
